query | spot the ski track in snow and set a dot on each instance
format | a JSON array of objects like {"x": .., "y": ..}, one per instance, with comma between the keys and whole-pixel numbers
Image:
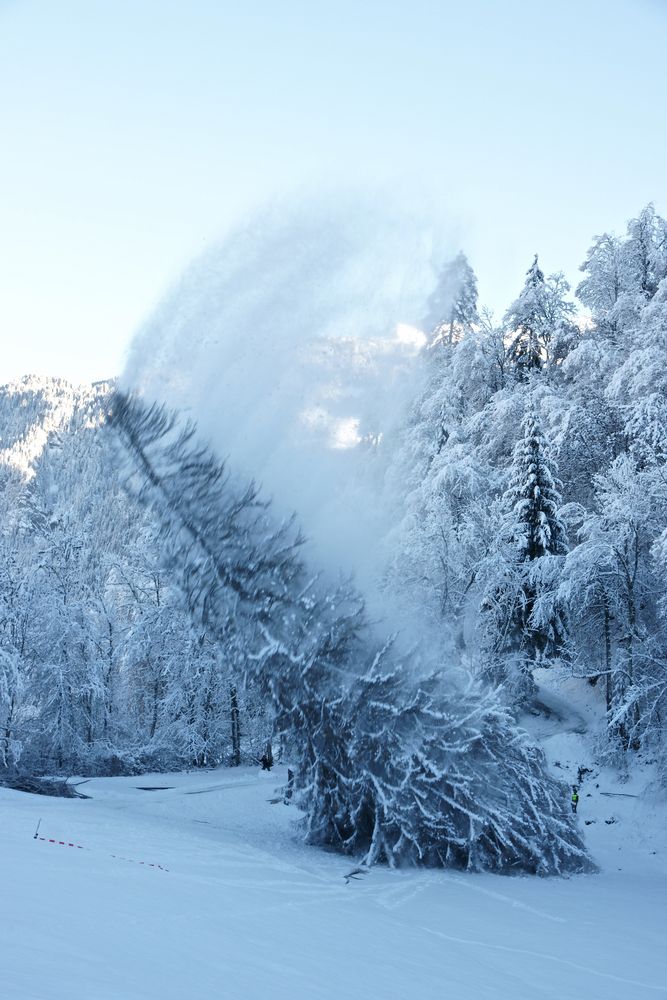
[
  {"x": 471, "y": 886},
  {"x": 546, "y": 957},
  {"x": 219, "y": 788}
]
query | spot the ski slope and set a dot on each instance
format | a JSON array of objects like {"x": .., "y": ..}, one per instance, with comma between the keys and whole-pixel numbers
[{"x": 245, "y": 912}]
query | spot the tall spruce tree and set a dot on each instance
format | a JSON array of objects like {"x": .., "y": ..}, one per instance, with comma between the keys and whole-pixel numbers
[
  {"x": 524, "y": 319},
  {"x": 540, "y": 330},
  {"x": 527, "y": 626},
  {"x": 534, "y": 496}
]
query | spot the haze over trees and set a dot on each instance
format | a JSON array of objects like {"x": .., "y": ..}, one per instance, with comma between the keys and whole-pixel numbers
[{"x": 155, "y": 613}]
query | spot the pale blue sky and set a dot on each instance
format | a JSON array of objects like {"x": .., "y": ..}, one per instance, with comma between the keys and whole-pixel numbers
[{"x": 133, "y": 132}]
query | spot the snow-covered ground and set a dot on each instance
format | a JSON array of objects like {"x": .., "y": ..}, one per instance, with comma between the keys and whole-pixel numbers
[{"x": 245, "y": 912}]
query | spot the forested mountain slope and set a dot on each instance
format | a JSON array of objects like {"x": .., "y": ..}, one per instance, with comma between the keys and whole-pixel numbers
[
  {"x": 156, "y": 613},
  {"x": 33, "y": 411},
  {"x": 535, "y": 461},
  {"x": 100, "y": 667}
]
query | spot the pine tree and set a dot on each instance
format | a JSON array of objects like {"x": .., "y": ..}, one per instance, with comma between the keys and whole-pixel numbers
[
  {"x": 527, "y": 627},
  {"x": 539, "y": 323},
  {"x": 432, "y": 771},
  {"x": 452, "y": 308},
  {"x": 524, "y": 319},
  {"x": 533, "y": 497}
]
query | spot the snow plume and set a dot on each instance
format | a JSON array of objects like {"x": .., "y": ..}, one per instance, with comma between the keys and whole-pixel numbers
[{"x": 292, "y": 344}]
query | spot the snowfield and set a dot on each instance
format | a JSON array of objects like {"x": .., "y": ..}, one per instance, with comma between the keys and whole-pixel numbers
[{"x": 245, "y": 912}]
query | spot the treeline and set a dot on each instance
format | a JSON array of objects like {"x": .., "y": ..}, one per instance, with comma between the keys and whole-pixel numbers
[
  {"x": 101, "y": 668},
  {"x": 536, "y": 532}
]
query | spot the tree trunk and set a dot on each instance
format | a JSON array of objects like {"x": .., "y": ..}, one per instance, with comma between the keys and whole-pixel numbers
[
  {"x": 236, "y": 726},
  {"x": 609, "y": 686}
]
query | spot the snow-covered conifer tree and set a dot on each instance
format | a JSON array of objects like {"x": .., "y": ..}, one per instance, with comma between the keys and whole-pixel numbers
[
  {"x": 523, "y": 628},
  {"x": 539, "y": 323},
  {"x": 533, "y": 497},
  {"x": 452, "y": 308}
]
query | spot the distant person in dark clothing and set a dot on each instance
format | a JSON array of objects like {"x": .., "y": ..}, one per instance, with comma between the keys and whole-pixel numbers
[
  {"x": 266, "y": 760},
  {"x": 575, "y": 798}
]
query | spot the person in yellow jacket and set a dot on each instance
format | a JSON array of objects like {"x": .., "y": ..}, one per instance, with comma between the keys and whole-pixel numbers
[{"x": 575, "y": 798}]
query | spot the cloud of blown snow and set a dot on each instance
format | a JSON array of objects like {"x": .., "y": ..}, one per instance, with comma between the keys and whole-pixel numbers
[{"x": 292, "y": 344}]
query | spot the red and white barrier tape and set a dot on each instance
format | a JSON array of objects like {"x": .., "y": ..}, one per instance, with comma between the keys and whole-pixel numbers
[{"x": 80, "y": 847}]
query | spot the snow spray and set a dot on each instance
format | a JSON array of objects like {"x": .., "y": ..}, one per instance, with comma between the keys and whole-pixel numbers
[{"x": 292, "y": 345}]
